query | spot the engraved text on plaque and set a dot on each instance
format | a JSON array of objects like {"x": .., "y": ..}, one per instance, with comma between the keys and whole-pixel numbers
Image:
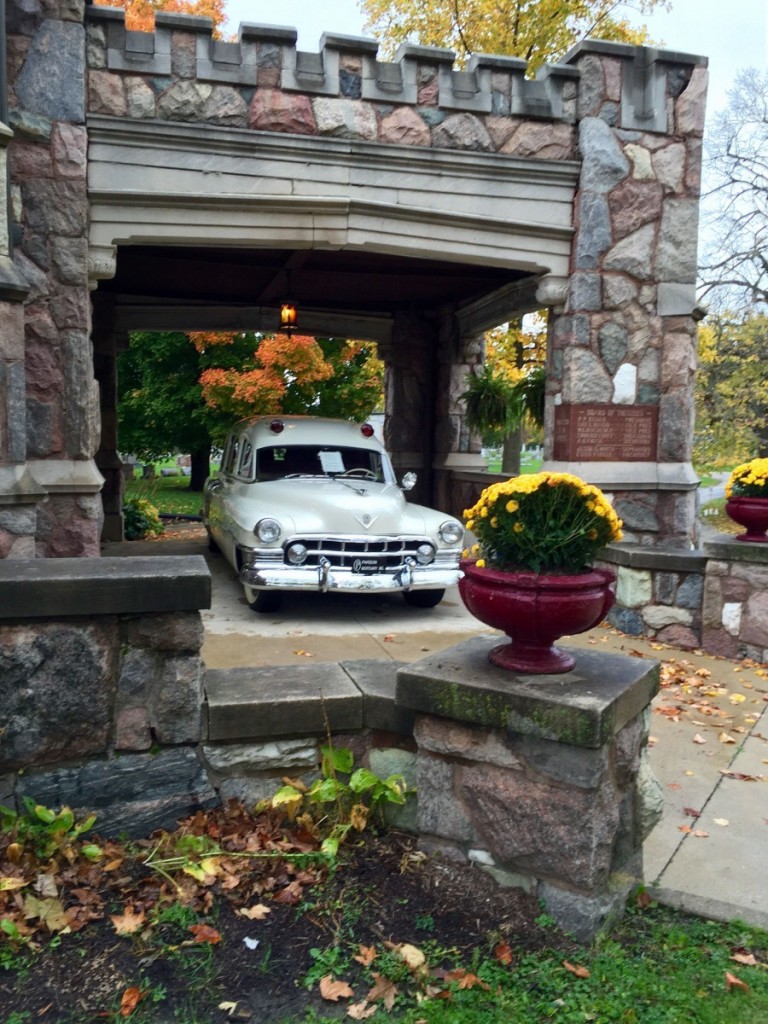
[{"x": 606, "y": 433}]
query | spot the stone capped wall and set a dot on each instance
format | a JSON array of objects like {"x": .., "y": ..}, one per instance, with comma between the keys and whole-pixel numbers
[
  {"x": 714, "y": 599},
  {"x": 58, "y": 415}
]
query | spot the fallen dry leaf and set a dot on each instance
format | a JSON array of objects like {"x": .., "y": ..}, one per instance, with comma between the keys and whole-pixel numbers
[
  {"x": 699, "y": 833},
  {"x": 204, "y": 933},
  {"x": 385, "y": 990},
  {"x": 366, "y": 956},
  {"x": 389, "y": 638},
  {"x": 411, "y": 955},
  {"x": 256, "y": 913},
  {"x": 725, "y": 738},
  {"x": 577, "y": 969},
  {"x": 334, "y": 990},
  {"x": 698, "y": 738},
  {"x": 128, "y": 922},
  {"x": 745, "y": 958},
  {"x": 691, "y": 812},
  {"x": 7, "y": 884},
  {"x": 303, "y": 654},
  {"x": 359, "y": 1011},
  {"x": 503, "y": 953},
  {"x": 731, "y": 982},
  {"x": 722, "y": 822},
  {"x": 130, "y": 1000}
]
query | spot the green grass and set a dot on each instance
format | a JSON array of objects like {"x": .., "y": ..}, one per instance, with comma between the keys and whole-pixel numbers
[
  {"x": 532, "y": 466},
  {"x": 169, "y": 494},
  {"x": 657, "y": 967}
]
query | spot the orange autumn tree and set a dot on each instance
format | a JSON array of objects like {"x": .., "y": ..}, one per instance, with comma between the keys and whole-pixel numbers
[
  {"x": 298, "y": 374},
  {"x": 140, "y": 14}
]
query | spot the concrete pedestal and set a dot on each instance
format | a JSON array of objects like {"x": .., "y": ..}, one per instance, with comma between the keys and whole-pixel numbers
[{"x": 541, "y": 780}]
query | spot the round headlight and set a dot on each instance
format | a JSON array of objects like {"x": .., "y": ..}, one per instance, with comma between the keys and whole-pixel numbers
[
  {"x": 451, "y": 532},
  {"x": 425, "y": 554},
  {"x": 296, "y": 554},
  {"x": 267, "y": 530}
]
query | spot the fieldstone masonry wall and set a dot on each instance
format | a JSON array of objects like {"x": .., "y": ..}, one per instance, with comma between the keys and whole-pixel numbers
[
  {"x": 625, "y": 122},
  {"x": 52, "y": 399},
  {"x": 627, "y": 335},
  {"x": 109, "y": 710},
  {"x": 714, "y": 599}
]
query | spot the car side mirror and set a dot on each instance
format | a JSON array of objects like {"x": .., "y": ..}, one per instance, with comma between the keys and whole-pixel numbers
[{"x": 409, "y": 481}]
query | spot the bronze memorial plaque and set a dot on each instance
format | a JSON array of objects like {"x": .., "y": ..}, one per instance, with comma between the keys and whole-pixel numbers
[{"x": 606, "y": 433}]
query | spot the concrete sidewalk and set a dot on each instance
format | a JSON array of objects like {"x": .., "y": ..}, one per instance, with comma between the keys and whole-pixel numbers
[{"x": 709, "y": 731}]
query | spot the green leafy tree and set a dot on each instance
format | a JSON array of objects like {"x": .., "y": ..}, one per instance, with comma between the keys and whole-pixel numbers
[
  {"x": 732, "y": 390},
  {"x": 161, "y": 409},
  {"x": 182, "y": 392},
  {"x": 536, "y": 30}
]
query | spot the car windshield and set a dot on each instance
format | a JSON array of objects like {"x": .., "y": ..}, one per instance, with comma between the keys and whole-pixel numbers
[{"x": 276, "y": 462}]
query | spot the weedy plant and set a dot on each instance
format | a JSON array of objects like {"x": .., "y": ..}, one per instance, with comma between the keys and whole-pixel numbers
[
  {"x": 343, "y": 799},
  {"x": 45, "y": 833}
]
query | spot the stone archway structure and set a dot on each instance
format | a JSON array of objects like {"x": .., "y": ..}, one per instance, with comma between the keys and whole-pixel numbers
[{"x": 170, "y": 180}]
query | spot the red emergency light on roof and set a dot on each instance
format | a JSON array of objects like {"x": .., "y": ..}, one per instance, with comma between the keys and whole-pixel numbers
[
  {"x": 366, "y": 430},
  {"x": 277, "y": 426}
]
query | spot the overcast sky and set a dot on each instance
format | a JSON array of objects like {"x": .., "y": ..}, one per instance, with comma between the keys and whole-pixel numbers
[{"x": 733, "y": 34}]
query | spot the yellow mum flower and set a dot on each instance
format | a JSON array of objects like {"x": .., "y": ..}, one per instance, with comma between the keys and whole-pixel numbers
[
  {"x": 512, "y": 506},
  {"x": 518, "y": 527},
  {"x": 480, "y": 563}
]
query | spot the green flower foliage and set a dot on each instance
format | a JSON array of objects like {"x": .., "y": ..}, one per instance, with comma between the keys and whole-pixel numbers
[{"x": 141, "y": 519}]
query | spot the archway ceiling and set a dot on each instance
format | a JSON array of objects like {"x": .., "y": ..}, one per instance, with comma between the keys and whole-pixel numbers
[{"x": 342, "y": 281}]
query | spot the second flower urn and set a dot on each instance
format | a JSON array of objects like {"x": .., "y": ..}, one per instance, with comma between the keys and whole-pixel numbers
[{"x": 535, "y": 610}]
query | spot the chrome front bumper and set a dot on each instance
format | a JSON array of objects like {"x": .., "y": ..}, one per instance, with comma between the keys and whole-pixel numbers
[{"x": 325, "y": 577}]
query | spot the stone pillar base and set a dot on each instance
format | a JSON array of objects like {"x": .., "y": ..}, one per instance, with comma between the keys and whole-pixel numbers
[{"x": 541, "y": 780}]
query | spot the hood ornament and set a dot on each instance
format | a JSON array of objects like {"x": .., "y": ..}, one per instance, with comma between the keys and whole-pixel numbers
[{"x": 366, "y": 519}]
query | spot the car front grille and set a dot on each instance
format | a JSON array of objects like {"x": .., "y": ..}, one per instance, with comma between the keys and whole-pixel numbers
[{"x": 389, "y": 552}]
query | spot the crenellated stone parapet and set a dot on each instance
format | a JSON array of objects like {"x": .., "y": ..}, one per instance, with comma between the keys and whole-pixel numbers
[{"x": 344, "y": 67}]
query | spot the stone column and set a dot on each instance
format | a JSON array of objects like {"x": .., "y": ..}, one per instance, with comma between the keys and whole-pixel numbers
[
  {"x": 457, "y": 459},
  {"x": 624, "y": 350},
  {"x": 105, "y": 348},
  {"x": 543, "y": 781},
  {"x": 410, "y": 387},
  {"x": 19, "y": 493},
  {"x": 50, "y": 218}
]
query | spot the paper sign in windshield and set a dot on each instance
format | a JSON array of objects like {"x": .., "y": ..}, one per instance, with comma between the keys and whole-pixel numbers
[{"x": 331, "y": 462}]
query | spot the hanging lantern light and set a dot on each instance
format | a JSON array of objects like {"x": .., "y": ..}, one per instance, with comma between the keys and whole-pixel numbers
[{"x": 288, "y": 317}]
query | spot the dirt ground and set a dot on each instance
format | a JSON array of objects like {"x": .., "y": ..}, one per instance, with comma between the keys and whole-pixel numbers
[{"x": 385, "y": 896}]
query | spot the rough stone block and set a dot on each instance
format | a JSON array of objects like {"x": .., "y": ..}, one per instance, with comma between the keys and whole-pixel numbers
[
  {"x": 182, "y": 631},
  {"x": 470, "y": 743},
  {"x": 634, "y": 587},
  {"x": 376, "y": 679},
  {"x": 585, "y": 707},
  {"x": 248, "y": 703},
  {"x": 754, "y": 624},
  {"x": 174, "y": 700},
  {"x": 133, "y": 794},
  {"x": 440, "y": 813},
  {"x": 276, "y": 756},
  {"x": 56, "y": 690},
  {"x": 550, "y": 831}
]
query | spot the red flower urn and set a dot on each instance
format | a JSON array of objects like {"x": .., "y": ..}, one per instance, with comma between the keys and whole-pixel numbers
[
  {"x": 534, "y": 610},
  {"x": 752, "y": 513}
]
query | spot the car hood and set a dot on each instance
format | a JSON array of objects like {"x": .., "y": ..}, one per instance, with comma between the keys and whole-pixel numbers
[{"x": 322, "y": 506}]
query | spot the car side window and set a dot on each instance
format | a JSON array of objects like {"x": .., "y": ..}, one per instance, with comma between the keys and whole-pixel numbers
[
  {"x": 245, "y": 462},
  {"x": 229, "y": 465}
]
